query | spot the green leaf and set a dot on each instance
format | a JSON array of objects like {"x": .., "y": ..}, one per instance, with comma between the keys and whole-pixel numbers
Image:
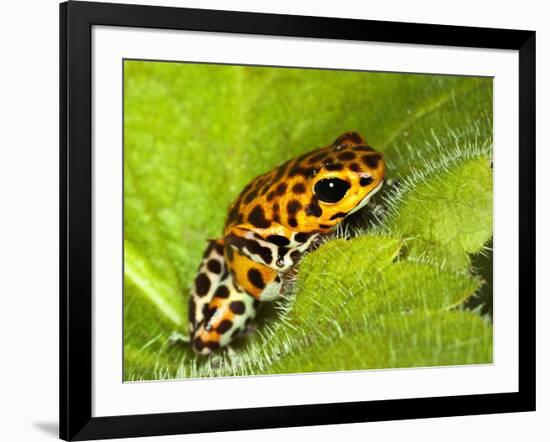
[
  {"x": 449, "y": 215},
  {"x": 400, "y": 340},
  {"x": 196, "y": 134}
]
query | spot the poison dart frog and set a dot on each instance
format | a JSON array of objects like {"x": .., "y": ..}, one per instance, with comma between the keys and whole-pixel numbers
[{"x": 269, "y": 227}]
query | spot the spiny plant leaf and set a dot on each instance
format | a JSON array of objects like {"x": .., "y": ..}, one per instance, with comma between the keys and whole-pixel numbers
[
  {"x": 448, "y": 216},
  {"x": 400, "y": 340},
  {"x": 196, "y": 134}
]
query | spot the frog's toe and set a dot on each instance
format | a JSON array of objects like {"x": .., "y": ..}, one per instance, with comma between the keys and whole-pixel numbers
[
  {"x": 177, "y": 337},
  {"x": 392, "y": 183},
  {"x": 249, "y": 330},
  {"x": 216, "y": 360},
  {"x": 231, "y": 353}
]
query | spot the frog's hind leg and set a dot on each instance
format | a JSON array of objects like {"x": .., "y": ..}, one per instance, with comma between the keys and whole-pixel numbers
[
  {"x": 211, "y": 271},
  {"x": 226, "y": 316},
  {"x": 218, "y": 309}
]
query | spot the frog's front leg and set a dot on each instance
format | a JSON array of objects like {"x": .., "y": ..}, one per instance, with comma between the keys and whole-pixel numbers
[
  {"x": 276, "y": 247},
  {"x": 258, "y": 280}
]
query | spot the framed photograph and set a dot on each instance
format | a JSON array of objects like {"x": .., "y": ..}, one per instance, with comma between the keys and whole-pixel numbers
[{"x": 274, "y": 220}]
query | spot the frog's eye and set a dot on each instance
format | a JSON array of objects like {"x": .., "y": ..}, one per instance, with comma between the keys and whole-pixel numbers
[{"x": 331, "y": 190}]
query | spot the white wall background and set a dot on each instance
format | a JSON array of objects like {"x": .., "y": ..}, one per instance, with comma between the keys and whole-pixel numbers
[{"x": 29, "y": 217}]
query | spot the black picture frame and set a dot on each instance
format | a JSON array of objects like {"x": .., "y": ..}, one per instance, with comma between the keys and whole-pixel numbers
[{"x": 76, "y": 21}]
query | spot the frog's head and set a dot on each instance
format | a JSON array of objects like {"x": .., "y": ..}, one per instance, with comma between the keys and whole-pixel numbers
[
  {"x": 313, "y": 192},
  {"x": 337, "y": 180}
]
